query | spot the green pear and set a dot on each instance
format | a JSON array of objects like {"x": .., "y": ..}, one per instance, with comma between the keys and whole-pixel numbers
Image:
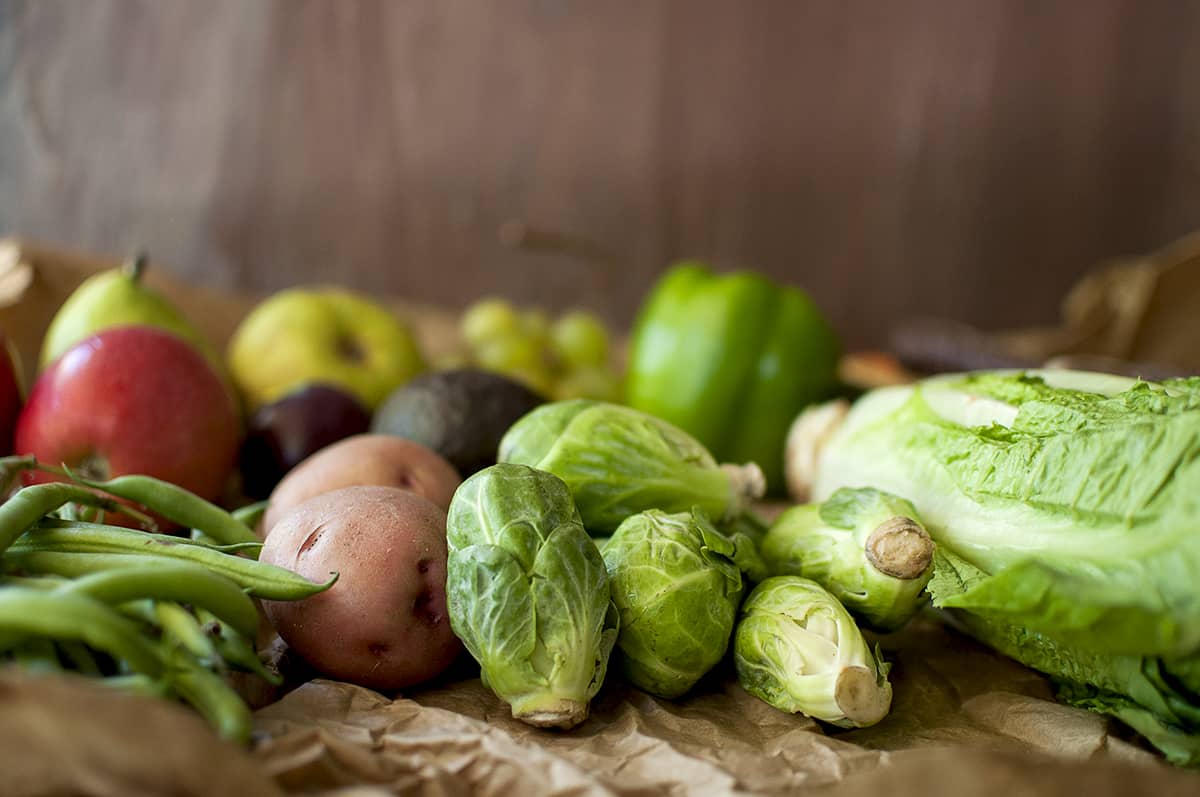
[
  {"x": 324, "y": 335},
  {"x": 118, "y": 298}
]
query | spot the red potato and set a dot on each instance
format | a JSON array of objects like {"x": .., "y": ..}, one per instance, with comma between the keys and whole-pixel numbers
[
  {"x": 365, "y": 459},
  {"x": 383, "y": 625}
]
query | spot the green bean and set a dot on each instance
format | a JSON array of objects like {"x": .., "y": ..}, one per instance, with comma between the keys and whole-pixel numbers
[
  {"x": 29, "y": 505},
  {"x": 236, "y": 649},
  {"x": 151, "y": 538},
  {"x": 215, "y": 700},
  {"x": 60, "y": 615},
  {"x": 171, "y": 501},
  {"x": 79, "y": 657},
  {"x": 141, "y": 610},
  {"x": 137, "y": 684},
  {"x": 12, "y": 467},
  {"x": 250, "y": 514},
  {"x": 177, "y": 505},
  {"x": 199, "y": 536},
  {"x": 33, "y": 582},
  {"x": 37, "y": 655},
  {"x": 182, "y": 628},
  {"x": 41, "y": 553},
  {"x": 181, "y": 582}
]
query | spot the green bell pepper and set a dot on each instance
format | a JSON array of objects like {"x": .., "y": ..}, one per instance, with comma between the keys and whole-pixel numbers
[{"x": 732, "y": 359}]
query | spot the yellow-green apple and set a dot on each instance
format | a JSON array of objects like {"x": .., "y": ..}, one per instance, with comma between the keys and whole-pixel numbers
[
  {"x": 133, "y": 400},
  {"x": 10, "y": 393},
  {"x": 283, "y": 433},
  {"x": 306, "y": 335},
  {"x": 118, "y": 298}
]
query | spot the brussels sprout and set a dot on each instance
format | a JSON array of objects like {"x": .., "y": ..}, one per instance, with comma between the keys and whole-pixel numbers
[
  {"x": 798, "y": 649},
  {"x": 618, "y": 462},
  {"x": 677, "y": 584},
  {"x": 528, "y": 593},
  {"x": 865, "y": 546}
]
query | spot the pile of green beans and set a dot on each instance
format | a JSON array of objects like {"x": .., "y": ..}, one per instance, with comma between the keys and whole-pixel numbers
[{"x": 169, "y": 616}]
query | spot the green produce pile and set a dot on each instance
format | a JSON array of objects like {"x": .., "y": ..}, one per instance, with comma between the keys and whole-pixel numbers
[
  {"x": 139, "y": 611},
  {"x": 1066, "y": 511},
  {"x": 1053, "y": 515},
  {"x": 541, "y": 605}
]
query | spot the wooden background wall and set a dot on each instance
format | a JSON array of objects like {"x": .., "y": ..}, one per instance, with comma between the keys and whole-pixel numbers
[{"x": 964, "y": 158}]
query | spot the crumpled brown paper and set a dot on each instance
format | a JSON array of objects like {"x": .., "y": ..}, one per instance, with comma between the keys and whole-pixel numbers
[
  {"x": 951, "y": 695},
  {"x": 66, "y": 735},
  {"x": 963, "y": 721},
  {"x": 1135, "y": 316}
]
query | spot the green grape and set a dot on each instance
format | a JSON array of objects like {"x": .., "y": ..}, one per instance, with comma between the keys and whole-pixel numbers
[
  {"x": 489, "y": 319},
  {"x": 589, "y": 382},
  {"x": 536, "y": 324},
  {"x": 453, "y": 360},
  {"x": 538, "y": 379},
  {"x": 510, "y": 354},
  {"x": 580, "y": 340}
]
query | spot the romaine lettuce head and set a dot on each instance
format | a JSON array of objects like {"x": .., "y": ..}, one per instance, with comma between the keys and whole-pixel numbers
[
  {"x": 798, "y": 649},
  {"x": 618, "y": 461},
  {"x": 1066, "y": 511},
  {"x": 865, "y": 546},
  {"x": 1157, "y": 697},
  {"x": 1077, "y": 494},
  {"x": 528, "y": 593},
  {"x": 677, "y": 585}
]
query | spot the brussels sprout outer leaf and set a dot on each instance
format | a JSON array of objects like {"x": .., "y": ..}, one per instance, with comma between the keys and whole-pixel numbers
[
  {"x": 618, "y": 462},
  {"x": 575, "y": 629},
  {"x": 491, "y": 611}
]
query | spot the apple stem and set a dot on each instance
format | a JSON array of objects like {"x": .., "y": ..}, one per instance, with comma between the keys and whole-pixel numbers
[{"x": 135, "y": 266}]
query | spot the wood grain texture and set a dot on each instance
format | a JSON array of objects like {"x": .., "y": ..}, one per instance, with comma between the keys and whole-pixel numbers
[{"x": 964, "y": 158}]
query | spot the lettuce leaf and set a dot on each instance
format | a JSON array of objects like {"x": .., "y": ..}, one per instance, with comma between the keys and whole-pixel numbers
[{"x": 1066, "y": 510}]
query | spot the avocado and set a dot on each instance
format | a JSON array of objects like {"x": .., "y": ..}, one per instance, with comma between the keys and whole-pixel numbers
[{"x": 461, "y": 414}]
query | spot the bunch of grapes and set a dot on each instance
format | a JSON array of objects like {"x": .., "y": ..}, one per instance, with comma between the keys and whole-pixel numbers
[{"x": 563, "y": 358}]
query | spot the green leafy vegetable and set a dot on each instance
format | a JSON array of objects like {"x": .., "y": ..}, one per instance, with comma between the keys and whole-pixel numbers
[
  {"x": 865, "y": 546},
  {"x": 677, "y": 584},
  {"x": 618, "y": 462},
  {"x": 1074, "y": 499},
  {"x": 528, "y": 593},
  {"x": 799, "y": 650},
  {"x": 1158, "y": 698}
]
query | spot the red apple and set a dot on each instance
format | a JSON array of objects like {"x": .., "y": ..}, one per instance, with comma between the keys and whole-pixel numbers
[
  {"x": 10, "y": 394},
  {"x": 133, "y": 400}
]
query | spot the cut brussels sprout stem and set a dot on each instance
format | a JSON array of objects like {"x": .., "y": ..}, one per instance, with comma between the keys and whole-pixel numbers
[
  {"x": 900, "y": 548},
  {"x": 748, "y": 484},
  {"x": 565, "y": 714},
  {"x": 859, "y": 697}
]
